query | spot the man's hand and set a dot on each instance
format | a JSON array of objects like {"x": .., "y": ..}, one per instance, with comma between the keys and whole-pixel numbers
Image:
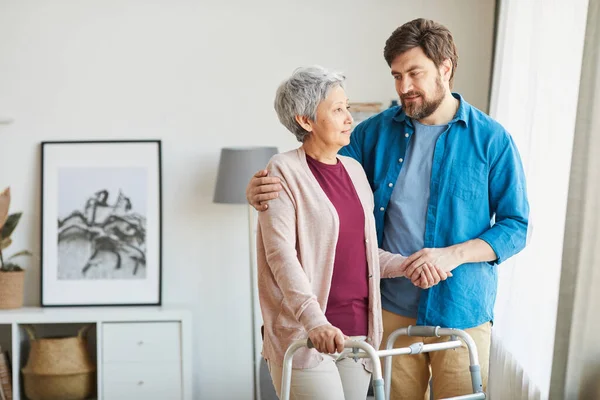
[
  {"x": 327, "y": 339},
  {"x": 261, "y": 189},
  {"x": 434, "y": 264},
  {"x": 429, "y": 276}
]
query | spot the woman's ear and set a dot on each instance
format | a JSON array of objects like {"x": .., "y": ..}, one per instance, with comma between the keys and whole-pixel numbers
[{"x": 304, "y": 122}]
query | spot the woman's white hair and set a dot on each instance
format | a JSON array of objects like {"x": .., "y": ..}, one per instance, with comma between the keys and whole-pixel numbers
[{"x": 301, "y": 94}]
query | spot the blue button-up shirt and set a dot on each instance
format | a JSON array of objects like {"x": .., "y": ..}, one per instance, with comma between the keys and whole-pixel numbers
[{"x": 477, "y": 190}]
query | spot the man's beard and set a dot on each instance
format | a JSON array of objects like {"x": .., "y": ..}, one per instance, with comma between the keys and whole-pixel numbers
[{"x": 426, "y": 107}]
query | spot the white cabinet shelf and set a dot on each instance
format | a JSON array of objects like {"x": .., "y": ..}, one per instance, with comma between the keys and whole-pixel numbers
[{"x": 140, "y": 352}]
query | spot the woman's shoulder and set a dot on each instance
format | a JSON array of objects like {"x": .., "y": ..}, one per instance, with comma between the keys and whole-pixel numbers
[
  {"x": 285, "y": 161},
  {"x": 351, "y": 165},
  {"x": 289, "y": 165},
  {"x": 285, "y": 157}
]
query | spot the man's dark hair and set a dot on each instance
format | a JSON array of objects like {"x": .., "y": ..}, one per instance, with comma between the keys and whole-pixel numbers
[{"x": 433, "y": 38}]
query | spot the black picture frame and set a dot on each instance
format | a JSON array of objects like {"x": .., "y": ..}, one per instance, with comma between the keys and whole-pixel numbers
[{"x": 107, "y": 251}]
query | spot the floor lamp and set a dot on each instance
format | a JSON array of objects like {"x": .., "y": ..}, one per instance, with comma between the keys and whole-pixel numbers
[{"x": 236, "y": 166}]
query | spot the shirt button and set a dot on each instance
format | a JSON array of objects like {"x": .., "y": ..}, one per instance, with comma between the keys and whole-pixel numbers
[
  {"x": 381, "y": 208},
  {"x": 390, "y": 184},
  {"x": 406, "y": 135},
  {"x": 401, "y": 160},
  {"x": 366, "y": 240}
]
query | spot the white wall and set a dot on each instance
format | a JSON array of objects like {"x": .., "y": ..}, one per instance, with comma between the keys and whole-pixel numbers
[{"x": 199, "y": 75}]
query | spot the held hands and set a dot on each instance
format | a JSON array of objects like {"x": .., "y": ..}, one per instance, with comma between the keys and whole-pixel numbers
[
  {"x": 428, "y": 276},
  {"x": 327, "y": 339},
  {"x": 261, "y": 189},
  {"x": 427, "y": 267}
]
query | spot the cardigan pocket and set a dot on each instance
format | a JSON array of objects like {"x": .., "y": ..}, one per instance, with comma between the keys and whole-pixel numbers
[
  {"x": 290, "y": 334},
  {"x": 286, "y": 326}
]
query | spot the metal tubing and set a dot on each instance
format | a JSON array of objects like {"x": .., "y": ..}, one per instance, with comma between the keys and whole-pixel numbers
[
  {"x": 382, "y": 386},
  {"x": 286, "y": 378},
  {"x": 476, "y": 381}
]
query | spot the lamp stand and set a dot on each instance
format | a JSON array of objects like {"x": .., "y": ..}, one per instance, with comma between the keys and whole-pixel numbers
[{"x": 254, "y": 304}]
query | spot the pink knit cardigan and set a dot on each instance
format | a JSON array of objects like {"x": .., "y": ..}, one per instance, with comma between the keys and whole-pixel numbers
[{"x": 296, "y": 243}]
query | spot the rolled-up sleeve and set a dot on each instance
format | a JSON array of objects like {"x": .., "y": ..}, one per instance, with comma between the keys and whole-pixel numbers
[{"x": 508, "y": 201}]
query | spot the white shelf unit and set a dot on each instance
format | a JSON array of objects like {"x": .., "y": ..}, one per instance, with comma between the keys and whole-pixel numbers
[{"x": 140, "y": 352}]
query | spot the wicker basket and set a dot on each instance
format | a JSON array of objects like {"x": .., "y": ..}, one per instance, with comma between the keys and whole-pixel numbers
[
  {"x": 11, "y": 289},
  {"x": 59, "y": 368}
]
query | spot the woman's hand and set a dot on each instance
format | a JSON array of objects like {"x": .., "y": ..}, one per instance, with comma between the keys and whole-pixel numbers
[
  {"x": 327, "y": 339},
  {"x": 428, "y": 276}
]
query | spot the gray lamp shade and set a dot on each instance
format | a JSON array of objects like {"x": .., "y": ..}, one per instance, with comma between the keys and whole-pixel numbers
[{"x": 236, "y": 167}]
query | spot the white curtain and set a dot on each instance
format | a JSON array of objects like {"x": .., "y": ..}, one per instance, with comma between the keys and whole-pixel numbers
[
  {"x": 534, "y": 95},
  {"x": 576, "y": 364}
]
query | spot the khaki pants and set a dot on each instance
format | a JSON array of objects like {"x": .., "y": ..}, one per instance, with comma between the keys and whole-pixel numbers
[
  {"x": 448, "y": 369},
  {"x": 330, "y": 380}
]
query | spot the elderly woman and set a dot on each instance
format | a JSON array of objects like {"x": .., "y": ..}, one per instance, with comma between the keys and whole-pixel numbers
[{"x": 319, "y": 265}]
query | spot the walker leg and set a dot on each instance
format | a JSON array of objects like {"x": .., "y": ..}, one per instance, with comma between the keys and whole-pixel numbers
[{"x": 378, "y": 389}]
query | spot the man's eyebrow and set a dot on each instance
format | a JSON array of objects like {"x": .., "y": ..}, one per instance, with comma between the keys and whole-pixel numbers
[{"x": 412, "y": 68}]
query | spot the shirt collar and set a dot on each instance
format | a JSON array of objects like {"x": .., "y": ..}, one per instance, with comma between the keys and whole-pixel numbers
[{"x": 462, "y": 114}]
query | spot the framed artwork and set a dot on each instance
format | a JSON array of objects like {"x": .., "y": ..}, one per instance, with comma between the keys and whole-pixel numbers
[
  {"x": 101, "y": 223},
  {"x": 362, "y": 111}
]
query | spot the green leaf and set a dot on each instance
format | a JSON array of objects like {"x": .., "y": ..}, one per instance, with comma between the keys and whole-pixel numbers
[
  {"x": 10, "y": 225},
  {"x": 10, "y": 267},
  {"x": 4, "y": 206},
  {"x": 4, "y": 243},
  {"x": 19, "y": 254}
]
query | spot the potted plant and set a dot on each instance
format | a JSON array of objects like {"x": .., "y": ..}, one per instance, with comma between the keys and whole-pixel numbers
[{"x": 11, "y": 274}]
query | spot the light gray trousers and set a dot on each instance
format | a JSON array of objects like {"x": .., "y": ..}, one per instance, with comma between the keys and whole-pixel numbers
[{"x": 330, "y": 380}]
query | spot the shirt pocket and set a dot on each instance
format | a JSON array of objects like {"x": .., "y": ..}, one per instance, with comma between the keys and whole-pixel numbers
[{"x": 468, "y": 180}]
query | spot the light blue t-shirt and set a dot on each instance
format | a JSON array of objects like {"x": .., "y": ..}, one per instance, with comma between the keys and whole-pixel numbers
[{"x": 404, "y": 227}]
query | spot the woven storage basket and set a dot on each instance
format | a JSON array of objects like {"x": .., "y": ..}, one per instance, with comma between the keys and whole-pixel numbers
[
  {"x": 59, "y": 368},
  {"x": 11, "y": 289}
]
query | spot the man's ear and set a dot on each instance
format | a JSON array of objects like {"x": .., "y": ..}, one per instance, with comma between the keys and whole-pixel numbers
[
  {"x": 304, "y": 122},
  {"x": 446, "y": 69}
]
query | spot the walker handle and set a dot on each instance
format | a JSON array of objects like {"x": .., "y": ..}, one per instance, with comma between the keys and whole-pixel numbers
[{"x": 426, "y": 331}]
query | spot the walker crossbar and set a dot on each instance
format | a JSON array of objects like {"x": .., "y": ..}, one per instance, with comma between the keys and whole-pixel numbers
[{"x": 430, "y": 331}]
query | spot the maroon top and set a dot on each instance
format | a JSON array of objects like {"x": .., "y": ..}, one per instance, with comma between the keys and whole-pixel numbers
[{"x": 348, "y": 302}]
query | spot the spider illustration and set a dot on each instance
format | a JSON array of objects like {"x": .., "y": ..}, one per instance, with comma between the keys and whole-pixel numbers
[{"x": 110, "y": 228}]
